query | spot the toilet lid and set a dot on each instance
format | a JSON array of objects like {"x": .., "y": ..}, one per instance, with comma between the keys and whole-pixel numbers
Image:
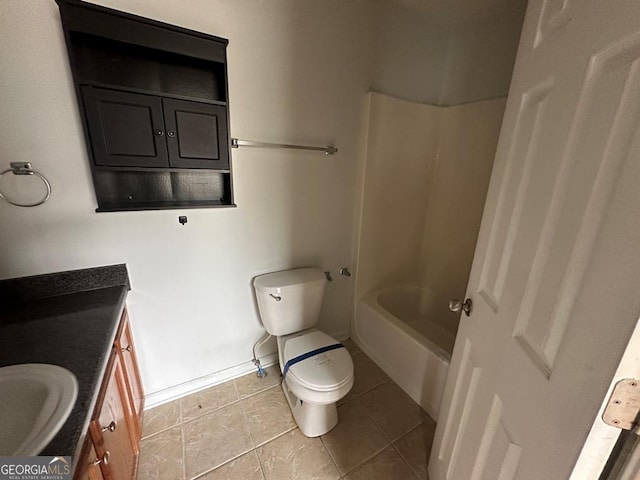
[{"x": 323, "y": 372}]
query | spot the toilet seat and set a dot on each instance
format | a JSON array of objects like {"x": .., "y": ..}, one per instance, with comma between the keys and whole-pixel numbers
[{"x": 319, "y": 376}]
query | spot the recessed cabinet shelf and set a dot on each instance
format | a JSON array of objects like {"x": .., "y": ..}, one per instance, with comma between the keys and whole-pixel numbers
[{"x": 154, "y": 102}]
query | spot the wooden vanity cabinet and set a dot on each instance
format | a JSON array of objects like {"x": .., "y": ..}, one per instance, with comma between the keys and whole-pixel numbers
[
  {"x": 127, "y": 356},
  {"x": 111, "y": 430},
  {"x": 113, "y": 441},
  {"x": 90, "y": 470}
]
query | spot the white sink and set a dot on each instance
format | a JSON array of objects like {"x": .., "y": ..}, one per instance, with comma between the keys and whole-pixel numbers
[{"x": 35, "y": 401}]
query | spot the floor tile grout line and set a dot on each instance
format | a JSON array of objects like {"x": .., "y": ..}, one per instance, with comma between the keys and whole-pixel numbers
[
  {"x": 164, "y": 429},
  {"x": 356, "y": 397},
  {"x": 370, "y": 456},
  {"x": 393, "y": 445},
  {"x": 183, "y": 399},
  {"x": 373, "y": 455},
  {"x": 235, "y": 387},
  {"x": 179, "y": 401},
  {"x": 206, "y": 472},
  {"x": 272, "y": 440},
  {"x": 389, "y": 439},
  {"x": 377, "y": 425},
  {"x": 189, "y": 420},
  {"x": 335, "y": 464},
  {"x": 228, "y": 460},
  {"x": 246, "y": 424},
  {"x": 247, "y": 429},
  {"x": 291, "y": 429},
  {"x": 160, "y": 431},
  {"x": 184, "y": 451},
  {"x": 259, "y": 391},
  {"x": 184, "y": 440},
  {"x": 264, "y": 476}
]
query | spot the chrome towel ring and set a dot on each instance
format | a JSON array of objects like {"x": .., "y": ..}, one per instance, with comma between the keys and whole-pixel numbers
[{"x": 24, "y": 168}]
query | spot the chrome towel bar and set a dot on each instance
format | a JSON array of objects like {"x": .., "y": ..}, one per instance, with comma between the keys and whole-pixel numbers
[{"x": 328, "y": 149}]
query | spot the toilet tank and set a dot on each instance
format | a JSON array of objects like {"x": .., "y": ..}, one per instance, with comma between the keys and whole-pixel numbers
[{"x": 290, "y": 300}]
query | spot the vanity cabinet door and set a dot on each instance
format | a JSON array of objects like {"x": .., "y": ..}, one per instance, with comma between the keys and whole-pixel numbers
[
  {"x": 89, "y": 465},
  {"x": 126, "y": 351},
  {"x": 111, "y": 430},
  {"x": 126, "y": 129},
  {"x": 112, "y": 445}
]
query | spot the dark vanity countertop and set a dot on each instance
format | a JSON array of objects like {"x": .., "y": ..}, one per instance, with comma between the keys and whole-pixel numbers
[{"x": 75, "y": 330}]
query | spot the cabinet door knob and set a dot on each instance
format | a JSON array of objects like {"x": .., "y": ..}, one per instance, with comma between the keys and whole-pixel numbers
[
  {"x": 104, "y": 460},
  {"x": 111, "y": 427},
  {"x": 159, "y": 133},
  {"x": 171, "y": 134},
  {"x": 126, "y": 349}
]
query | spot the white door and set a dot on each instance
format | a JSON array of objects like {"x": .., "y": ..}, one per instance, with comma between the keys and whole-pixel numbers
[{"x": 556, "y": 275}]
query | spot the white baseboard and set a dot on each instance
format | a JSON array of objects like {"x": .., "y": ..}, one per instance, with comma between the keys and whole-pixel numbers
[{"x": 192, "y": 386}]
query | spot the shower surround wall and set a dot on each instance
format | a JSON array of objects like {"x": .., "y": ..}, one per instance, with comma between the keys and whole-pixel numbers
[
  {"x": 428, "y": 156},
  {"x": 426, "y": 174},
  {"x": 466, "y": 149},
  {"x": 401, "y": 154}
]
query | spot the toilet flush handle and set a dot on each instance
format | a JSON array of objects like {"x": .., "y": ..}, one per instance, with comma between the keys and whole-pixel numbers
[{"x": 277, "y": 298}]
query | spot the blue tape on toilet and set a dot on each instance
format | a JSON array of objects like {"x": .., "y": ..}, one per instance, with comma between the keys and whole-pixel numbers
[{"x": 310, "y": 354}]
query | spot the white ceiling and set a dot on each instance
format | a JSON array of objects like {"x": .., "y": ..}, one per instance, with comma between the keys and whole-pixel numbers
[{"x": 462, "y": 10}]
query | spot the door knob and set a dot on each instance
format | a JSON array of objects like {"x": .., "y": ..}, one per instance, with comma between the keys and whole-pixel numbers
[{"x": 456, "y": 305}]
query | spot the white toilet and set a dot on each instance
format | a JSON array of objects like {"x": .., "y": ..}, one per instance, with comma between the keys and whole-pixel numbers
[{"x": 317, "y": 369}]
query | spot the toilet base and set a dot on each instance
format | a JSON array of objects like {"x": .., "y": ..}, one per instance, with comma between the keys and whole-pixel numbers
[{"x": 313, "y": 419}]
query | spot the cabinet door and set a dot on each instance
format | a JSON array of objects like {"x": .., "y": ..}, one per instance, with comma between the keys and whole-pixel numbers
[
  {"x": 89, "y": 466},
  {"x": 110, "y": 431},
  {"x": 197, "y": 134},
  {"x": 126, "y": 129},
  {"x": 126, "y": 351}
]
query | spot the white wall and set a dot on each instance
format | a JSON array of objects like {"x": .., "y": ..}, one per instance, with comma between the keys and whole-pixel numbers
[
  {"x": 480, "y": 57},
  {"x": 430, "y": 55},
  {"x": 297, "y": 71},
  {"x": 411, "y": 50}
]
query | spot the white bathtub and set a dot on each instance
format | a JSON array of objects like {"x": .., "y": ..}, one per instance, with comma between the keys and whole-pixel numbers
[{"x": 396, "y": 329}]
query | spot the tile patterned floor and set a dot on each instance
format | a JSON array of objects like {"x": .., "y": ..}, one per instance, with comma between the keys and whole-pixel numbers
[{"x": 243, "y": 429}]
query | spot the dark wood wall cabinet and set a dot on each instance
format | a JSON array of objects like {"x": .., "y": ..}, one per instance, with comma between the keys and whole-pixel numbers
[
  {"x": 112, "y": 445},
  {"x": 154, "y": 103}
]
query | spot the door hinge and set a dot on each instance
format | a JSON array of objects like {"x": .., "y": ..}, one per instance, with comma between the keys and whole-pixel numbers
[{"x": 623, "y": 406}]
